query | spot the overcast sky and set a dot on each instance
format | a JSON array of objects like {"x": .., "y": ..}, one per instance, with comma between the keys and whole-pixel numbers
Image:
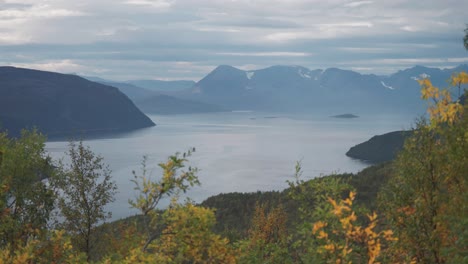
[{"x": 182, "y": 39}]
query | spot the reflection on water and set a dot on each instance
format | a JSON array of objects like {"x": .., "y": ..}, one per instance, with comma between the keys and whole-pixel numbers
[{"x": 242, "y": 151}]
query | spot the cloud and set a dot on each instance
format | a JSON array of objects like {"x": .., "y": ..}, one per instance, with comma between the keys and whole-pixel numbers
[
  {"x": 63, "y": 66},
  {"x": 358, "y": 3},
  {"x": 365, "y": 49},
  {"x": 146, "y": 38},
  {"x": 159, "y": 4},
  {"x": 37, "y": 11},
  {"x": 267, "y": 54}
]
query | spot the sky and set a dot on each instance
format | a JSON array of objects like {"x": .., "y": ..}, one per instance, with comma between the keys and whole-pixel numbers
[{"x": 186, "y": 39}]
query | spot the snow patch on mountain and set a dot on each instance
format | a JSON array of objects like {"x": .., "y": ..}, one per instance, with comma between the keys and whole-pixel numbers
[
  {"x": 387, "y": 86},
  {"x": 421, "y": 76},
  {"x": 249, "y": 75},
  {"x": 304, "y": 74}
]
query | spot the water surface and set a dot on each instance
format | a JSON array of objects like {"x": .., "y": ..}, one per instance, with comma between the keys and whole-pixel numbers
[{"x": 237, "y": 152}]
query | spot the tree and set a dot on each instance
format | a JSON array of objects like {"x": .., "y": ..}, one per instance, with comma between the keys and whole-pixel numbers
[
  {"x": 349, "y": 242},
  {"x": 268, "y": 238},
  {"x": 26, "y": 201},
  {"x": 173, "y": 182},
  {"x": 425, "y": 202},
  {"x": 312, "y": 198},
  {"x": 55, "y": 248},
  {"x": 188, "y": 237},
  {"x": 86, "y": 188}
]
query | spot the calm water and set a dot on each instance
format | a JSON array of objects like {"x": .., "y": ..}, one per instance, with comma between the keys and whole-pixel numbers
[{"x": 237, "y": 152}]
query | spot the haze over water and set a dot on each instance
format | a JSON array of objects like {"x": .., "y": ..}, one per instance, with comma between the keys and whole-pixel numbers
[{"x": 239, "y": 151}]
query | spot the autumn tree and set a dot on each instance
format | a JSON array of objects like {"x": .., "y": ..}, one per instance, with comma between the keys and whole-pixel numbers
[
  {"x": 86, "y": 187},
  {"x": 188, "y": 237},
  {"x": 26, "y": 201},
  {"x": 268, "y": 240},
  {"x": 311, "y": 198},
  {"x": 174, "y": 180},
  {"x": 425, "y": 202},
  {"x": 56, "y": 247},
  {"x": 349, "y": 241}
]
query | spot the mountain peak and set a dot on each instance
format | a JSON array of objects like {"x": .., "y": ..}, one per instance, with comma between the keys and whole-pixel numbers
[{"x": 224, "y": 68}]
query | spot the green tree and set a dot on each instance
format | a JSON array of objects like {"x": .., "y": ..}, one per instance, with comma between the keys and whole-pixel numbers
[
  {"x": 86, "y": 187},
  {"x": 26, "y": 201},
  {"x": 173, "y": 181}
]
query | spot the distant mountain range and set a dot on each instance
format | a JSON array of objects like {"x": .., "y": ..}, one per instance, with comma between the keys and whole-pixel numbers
[
  {"x": 295, "y": 88},
  {"x": 158, "y": 85},
  {"x": 63, "y": 105},
  {"x": 153, "y": 102}
]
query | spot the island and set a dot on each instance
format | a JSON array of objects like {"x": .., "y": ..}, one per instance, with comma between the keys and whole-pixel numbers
[{"x": 345, "y": 116}]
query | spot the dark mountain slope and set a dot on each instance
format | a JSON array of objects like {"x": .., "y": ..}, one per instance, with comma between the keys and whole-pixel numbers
[
  {"x": 62, "y": 104},
  {"x": 380, "y": 148}
]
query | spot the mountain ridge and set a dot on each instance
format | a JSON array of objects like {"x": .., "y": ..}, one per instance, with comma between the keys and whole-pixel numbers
[
  {"x": 291, "y": 88},
  {"x": 63, "y": 104}
]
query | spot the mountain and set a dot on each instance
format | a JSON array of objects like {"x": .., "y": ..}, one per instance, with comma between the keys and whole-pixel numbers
[
  {"x": 380, "y": 148},
  {"x": 296, "y": 88},
  {"x": 63, "y": 105},
  {"x": 152, "y": 102},
  {"x": 158, "y": 85},
  {"x": 133, "y": 92}
]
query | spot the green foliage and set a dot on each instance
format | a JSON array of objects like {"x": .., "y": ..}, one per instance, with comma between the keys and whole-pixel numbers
[
  {"x": 425, "y": 201},
  {"x": 234, "y": 211},
  {"x": 86, "y": 187},
  {"x": 312, "y": 199},
  {"x": 173, "y": 181},
  {"x": 54, "y": 248},
  {"x": 267, "y": 241},
  {"x": 187, "y": 237},
  {"x": 26, "y": 202}
]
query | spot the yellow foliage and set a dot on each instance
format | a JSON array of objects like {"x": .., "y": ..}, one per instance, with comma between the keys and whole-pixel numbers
[
  {"x": 442, "y": 108},
  {"x": 57, "y": 249},
  {"x": 339, "y": 244},
  {"x": 188, "y": 238}
]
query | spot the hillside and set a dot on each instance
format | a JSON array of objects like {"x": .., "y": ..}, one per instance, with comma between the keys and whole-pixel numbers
[
  {"x": 63, "y": 105},
  {"x": 234, "y": 211},
  {"x": 380, "y": 148}
]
